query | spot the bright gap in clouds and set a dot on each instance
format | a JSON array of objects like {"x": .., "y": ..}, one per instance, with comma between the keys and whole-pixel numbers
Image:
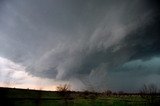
[{"x": 14, "y": 75}]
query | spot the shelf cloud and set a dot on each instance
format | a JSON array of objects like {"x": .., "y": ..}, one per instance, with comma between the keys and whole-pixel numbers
[{"x": 108, "y": 43}]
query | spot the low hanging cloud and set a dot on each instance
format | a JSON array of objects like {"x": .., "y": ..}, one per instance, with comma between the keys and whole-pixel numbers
[{"x": 80, "y": 40}]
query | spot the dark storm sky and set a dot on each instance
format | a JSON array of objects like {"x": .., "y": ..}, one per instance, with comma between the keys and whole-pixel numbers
[{"x": 101, "y": 44}]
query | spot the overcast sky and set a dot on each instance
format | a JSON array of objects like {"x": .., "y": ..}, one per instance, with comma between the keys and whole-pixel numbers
[{"x": 90, "y": 44}]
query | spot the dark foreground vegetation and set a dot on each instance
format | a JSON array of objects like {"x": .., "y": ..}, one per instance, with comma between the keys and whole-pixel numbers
[{"x": 26, "y": 97}]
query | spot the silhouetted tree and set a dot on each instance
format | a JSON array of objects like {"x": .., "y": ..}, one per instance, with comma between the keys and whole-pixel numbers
[
  {"x": 150, "y": 93},
  {"x": 63, "y": 88},
  {"x": 64, "y": 92}
]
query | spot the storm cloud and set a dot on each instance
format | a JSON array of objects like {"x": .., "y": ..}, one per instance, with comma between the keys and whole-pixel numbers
[{"x": 109, "y": 43}]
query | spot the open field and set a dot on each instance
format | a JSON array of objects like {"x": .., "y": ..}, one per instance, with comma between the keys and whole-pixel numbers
[{"x": 24, "y": 97}]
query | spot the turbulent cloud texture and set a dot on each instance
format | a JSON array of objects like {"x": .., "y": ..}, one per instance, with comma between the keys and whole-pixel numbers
[{"x": 100, "y": 44}]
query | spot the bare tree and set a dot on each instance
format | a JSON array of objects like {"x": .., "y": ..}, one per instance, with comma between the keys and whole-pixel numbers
[
  {"x": 64, "y": 88},
  {"x": 150, "y": 93},
  {"x": 149, "y": 89},
  {"x": 64, "y": 92}
]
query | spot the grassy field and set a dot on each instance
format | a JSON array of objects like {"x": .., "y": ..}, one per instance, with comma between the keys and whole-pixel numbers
[{"x": 22, "y": 97}]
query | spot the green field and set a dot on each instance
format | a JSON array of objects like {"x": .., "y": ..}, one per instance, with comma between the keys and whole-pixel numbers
[{"x": 22, "y": 97}]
